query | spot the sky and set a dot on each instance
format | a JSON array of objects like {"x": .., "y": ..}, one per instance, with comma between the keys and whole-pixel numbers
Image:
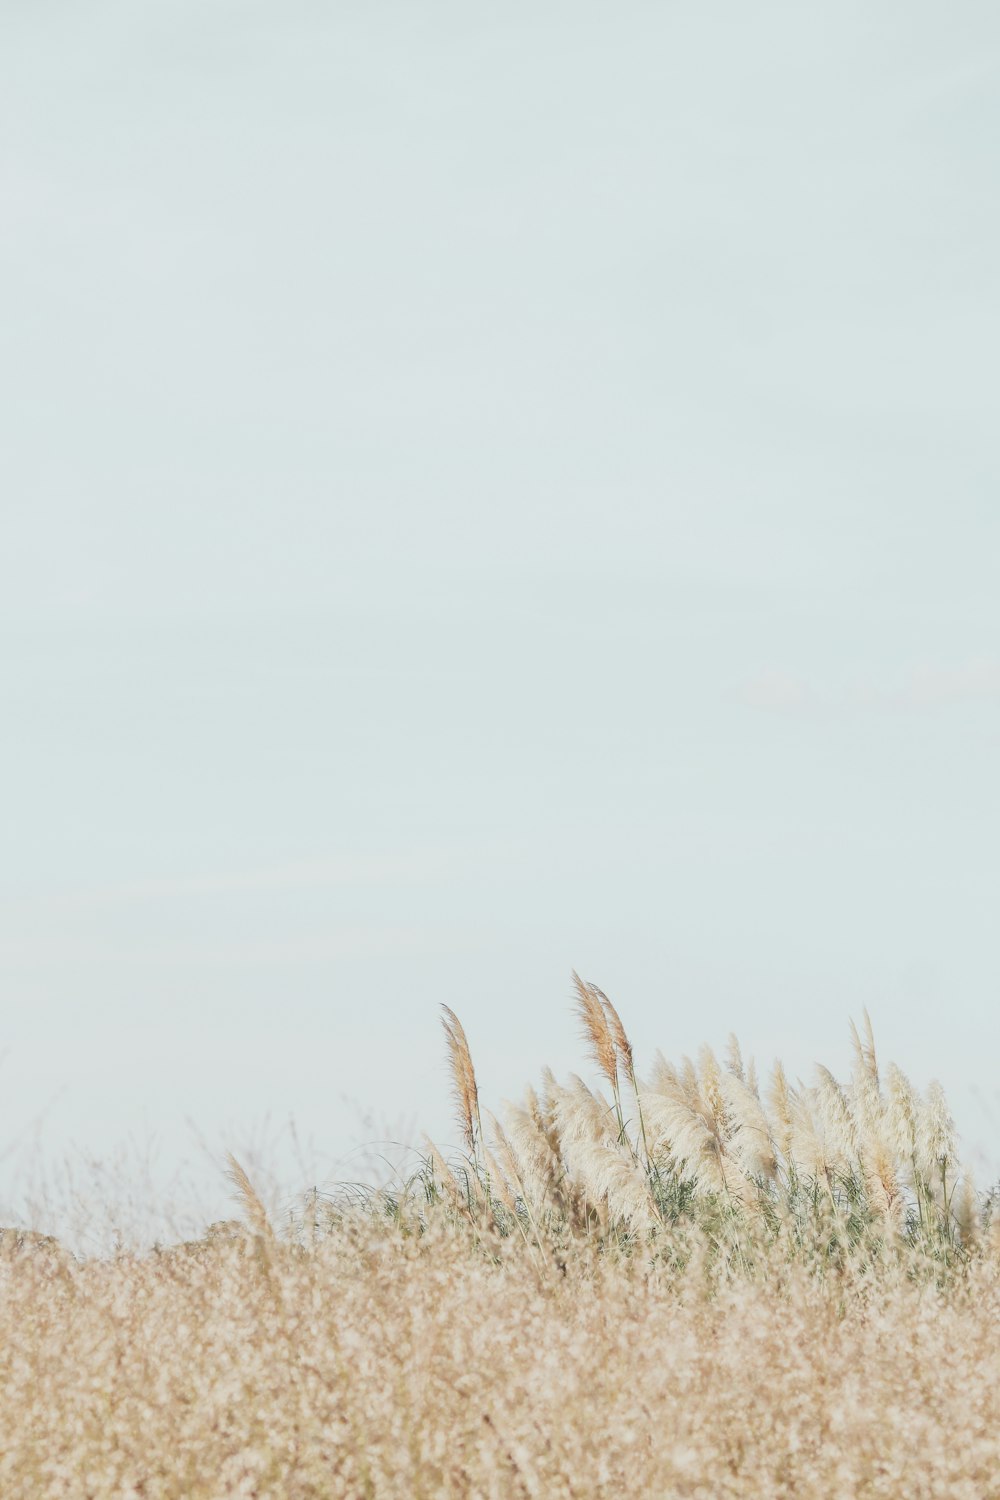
[{"x": 488, "y": 491}]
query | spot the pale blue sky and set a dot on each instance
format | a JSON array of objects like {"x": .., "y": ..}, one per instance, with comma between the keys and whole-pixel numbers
[{"x": 487, "y": 490}]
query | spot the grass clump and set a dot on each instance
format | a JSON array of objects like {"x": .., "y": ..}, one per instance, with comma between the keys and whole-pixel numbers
[{"x": 829, "y": 1174}]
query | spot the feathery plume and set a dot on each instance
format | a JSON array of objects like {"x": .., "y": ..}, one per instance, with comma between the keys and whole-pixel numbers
[
  {"x": 580, "y": 1114},
  {"x": 542, "y": 1112},
  {"x": 750, "y": 1142},
  {"x": 619, "y": 1036},
  {"x": 252, "y": 1206},
  {"x": 683, "y": 1125},
  {"x": 734, "y": 1057},
  {"x": 533, "y": 1136},
  {"x": 612, "y": 1181},
  {"x": 710, "y": 1087},
  {"x": 442, "y": 1173},
  {"x": 866, "y": 1087},
  {"x": 839, "y": 1125},
  {"x": 864, "y": 1048},
  {"x": 882, "y": 1182},
  {"x": 595, "y": 1029},
  {"x": 779, "y": 1097},
  {"x": 626, "y": 1060},
  {"x": 901, "y": 1114},
  {"x": 664, "y": 1073},
  {"x": 503, "y": 1167},
  {"x": 935, "y": 1134},
  {"x": 811, "y": 1155},
  {"x": 464, "y": 1089},
  {"x": 965, "y": 1208}
]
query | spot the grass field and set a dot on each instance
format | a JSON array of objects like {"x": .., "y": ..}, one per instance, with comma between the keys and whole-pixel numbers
[{"x": 689, "y": 1284}]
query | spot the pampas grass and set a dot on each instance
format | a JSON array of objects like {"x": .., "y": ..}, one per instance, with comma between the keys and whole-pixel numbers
[
  {"x": 246, "y": 1193},
  {"x": 666, "y": 1286},
  {"x": 823, "y": 1170}
]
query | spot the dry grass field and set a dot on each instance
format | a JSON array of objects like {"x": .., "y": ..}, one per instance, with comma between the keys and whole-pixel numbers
[{"x": 692, "y": 1284}]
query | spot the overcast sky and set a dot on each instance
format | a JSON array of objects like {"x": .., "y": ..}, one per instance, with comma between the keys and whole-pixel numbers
[{"x": 488, "y": 490}]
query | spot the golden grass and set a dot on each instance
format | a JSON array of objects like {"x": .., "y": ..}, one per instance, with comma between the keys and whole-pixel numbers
[
  {"x": 377, "y": 1364},
  {"x": 697, "y": 1288}
]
